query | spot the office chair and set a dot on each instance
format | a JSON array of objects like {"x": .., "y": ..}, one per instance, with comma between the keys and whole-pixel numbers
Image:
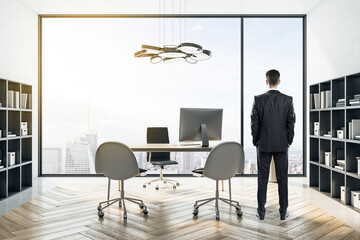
[
  {"x": 223, "y": 162},
  {"x": 117, "y": 162},
  {"x": 160, "y": 135}
]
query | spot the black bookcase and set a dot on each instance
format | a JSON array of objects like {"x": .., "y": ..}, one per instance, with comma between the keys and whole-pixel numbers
[
  {"x": 327, "y": 178},
  {"x": 17, "y": 176}
]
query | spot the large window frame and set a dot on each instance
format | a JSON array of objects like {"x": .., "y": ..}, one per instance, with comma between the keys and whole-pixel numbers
[{"x": 240, "y": 17}]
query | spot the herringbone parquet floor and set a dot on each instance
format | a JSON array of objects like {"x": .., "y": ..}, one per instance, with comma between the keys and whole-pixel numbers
[{"x": 69, "y": 212}]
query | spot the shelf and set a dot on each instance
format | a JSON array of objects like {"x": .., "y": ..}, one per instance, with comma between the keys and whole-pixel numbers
[
  {"x": 338, "y": 170},
  {"x": 353, "y": 107},
  {"x": 314, "y": 110},
  {"x": 325, "y": 166},
  {"x": 313, "y": 136},
  {"x": 352, "y": 141},
  {"x": 338, "y": 139},
  {"x": 325, "y": 138},
  {"x": 16, "y": 177},
  {"x": 325, "y": 109},
  {"x": 314, "y": 162},
  {"x": 353, "y": 174},
  {"x": 337, "y": 108}
]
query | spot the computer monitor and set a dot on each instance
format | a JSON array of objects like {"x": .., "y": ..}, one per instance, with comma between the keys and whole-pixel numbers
[{"x": 200, "y": 124}]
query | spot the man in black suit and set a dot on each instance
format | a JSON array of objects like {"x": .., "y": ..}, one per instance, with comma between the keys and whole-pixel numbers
[{"x": 272, "y": 129}]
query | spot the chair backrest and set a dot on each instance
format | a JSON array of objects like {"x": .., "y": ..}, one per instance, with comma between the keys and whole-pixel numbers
[
  {"x": 158, "y": 135},
  {"x": 225, "y": 161},
  {"x": 116, "y": 161}
]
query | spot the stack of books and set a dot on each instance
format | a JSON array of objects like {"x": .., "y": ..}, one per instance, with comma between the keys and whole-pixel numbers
[
  {"x": 340, "y": 102},
  {"x": 325, "y": 99},
  {"x": 340, "y": 164},
  {"x": 355, "y": 101}
]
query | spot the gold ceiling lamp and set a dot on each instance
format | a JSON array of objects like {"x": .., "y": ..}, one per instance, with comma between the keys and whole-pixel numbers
[{"x": 190, "y": 52}]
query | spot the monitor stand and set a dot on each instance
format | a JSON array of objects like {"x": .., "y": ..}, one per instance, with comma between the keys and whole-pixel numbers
[{"x": 204, "y": 136}]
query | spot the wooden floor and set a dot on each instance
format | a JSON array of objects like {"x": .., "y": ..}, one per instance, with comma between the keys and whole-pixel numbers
[{"x": 69, "y": 212}]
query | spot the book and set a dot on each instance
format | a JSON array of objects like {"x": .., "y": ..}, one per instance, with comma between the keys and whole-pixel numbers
[
  {"x": 322, "y": 99},
  {"x": 11, "y": 99},
  {"x": 30, "y": 102},
  {"x": 316, "y": 100},
  {"x": 328, "y": 99},
  {"x": 355, "y": 128},
  {"x": 24, "y": 97},
  {"x": 17, "y": 99},
  {"x": 340, "y": 162},
  {"x": 311, "y": 101},
  {"x": 327, "y": 135},
  {"x": 339, "y": 167},
  {"x": 357, "y": 138},
  {"x": 350, "y": 131}
]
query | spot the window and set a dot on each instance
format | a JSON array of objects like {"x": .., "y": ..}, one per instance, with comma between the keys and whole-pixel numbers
[
  {"x": 94, "y": 90},
  {"x": 274, "y": 43}
]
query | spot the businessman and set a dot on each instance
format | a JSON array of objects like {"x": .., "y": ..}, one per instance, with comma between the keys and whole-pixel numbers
[{"x": 272, "y": 130}]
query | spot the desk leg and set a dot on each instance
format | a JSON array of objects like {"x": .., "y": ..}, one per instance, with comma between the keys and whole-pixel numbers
[{"x": 222, "y": 181}]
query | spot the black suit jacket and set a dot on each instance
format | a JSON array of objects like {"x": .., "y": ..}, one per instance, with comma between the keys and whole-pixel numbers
[{"x": 272, "y": 121}]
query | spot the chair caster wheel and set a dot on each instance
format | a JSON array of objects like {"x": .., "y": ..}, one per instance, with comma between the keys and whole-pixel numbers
[
  {"x": 157, "y": 188},
  {"x": 125, "y": 217},
  {"x": 196, "y": 212},
  {"x": 144, "y": 186},
  {"x": 177, "y": 184},
  {"x": 145, "y": 211},
  {"x": 174, "y": 187},
  {"x": 165, "y": 182},
  {"x": 142, "y": 206},
  {"x": 100, "y": 214},
  {"x": 217, "y": 217},
  {"x": 239, "y": 213}
]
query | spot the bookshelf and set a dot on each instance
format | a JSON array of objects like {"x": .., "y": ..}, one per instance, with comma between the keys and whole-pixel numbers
[
  {"x": 18, "y": 176},
  {"x": 333, "y": 117}
]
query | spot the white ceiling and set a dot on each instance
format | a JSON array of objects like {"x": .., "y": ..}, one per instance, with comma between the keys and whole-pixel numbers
[{"x": 152, "y": 6}]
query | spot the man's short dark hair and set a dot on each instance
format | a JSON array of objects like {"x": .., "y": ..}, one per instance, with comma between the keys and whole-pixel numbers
[{"x": 273, "y": 76}]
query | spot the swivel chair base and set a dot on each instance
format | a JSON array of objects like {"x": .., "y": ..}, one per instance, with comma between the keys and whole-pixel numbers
[
  {"x": 162, "y": 180},
  {"x": 216, "y": 199},
  {"x": 121, "y": 201}
]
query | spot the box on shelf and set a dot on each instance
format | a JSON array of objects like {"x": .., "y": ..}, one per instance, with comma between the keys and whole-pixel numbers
[
  {"x": 11, "y": 158},
  {"x": 327, "y": 158},
  {"x": 23, "y": 125},
  {"x": 340, "y": 134},
  {"x": 316, "y": 132},
  {"x": 355, "y": 199},
  {"x": 24, "y": 132}
]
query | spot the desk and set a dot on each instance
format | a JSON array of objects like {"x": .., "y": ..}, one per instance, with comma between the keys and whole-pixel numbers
[{"x": 161, "y": 147}]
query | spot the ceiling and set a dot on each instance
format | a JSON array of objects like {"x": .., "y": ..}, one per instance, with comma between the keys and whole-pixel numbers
[{"x": 152, "y": 6}]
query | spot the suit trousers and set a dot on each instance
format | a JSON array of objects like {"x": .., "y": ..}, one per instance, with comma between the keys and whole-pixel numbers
[{"x": 281, "y": 167}]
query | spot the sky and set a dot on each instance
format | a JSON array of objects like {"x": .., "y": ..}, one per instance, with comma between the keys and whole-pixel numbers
[{"x": 93, "y": 83}]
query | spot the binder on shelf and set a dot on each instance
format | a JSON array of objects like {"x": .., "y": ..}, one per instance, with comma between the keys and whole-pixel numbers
[
  {"x": 24, "y": 100},
  {"x": 343, "y": 192},
  {"x": 30, "y": 102},
  {"x": 17, "y": 99},
  {"x": 322, "y": 99},
  {"x": 11, "y": 99},
  {"x": 358, "y": 162},
  {"x": 316, "y": 100},
  {"x": 350, "y": 131},
  {"x": 11, "y": 158},
  {"x": 328, "y": 99},
  {"x": 327, "y": 158}
]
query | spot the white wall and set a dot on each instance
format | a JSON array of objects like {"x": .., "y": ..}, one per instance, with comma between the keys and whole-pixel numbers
[
  {"x": 333, "y": 44},
  {"x": 18, "y": 54}
]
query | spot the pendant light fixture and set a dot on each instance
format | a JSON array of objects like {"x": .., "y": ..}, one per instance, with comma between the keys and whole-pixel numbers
[{"x": 190, "y": 52}]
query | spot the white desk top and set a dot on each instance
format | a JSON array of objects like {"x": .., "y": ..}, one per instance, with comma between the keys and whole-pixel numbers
[{"x": 169, "y": 148}]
